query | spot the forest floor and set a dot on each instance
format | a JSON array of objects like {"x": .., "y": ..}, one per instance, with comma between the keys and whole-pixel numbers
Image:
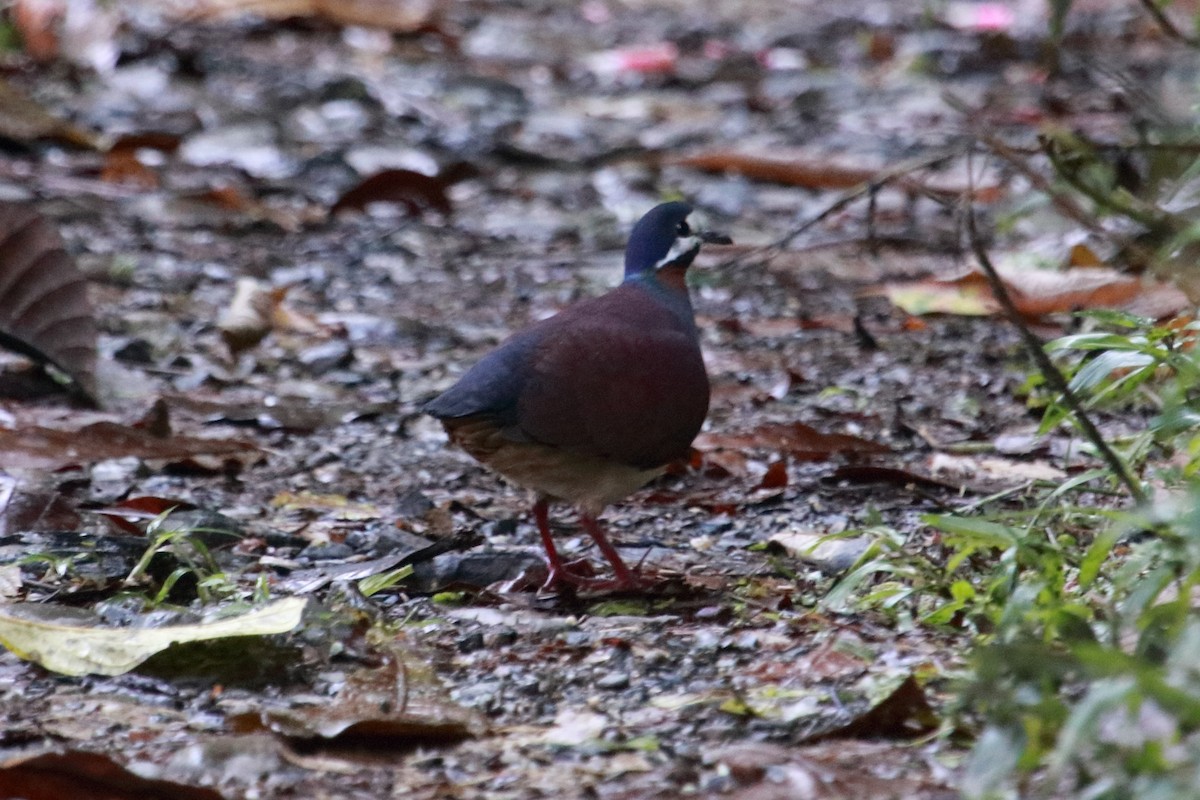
[{"x": 742, "y": 674}]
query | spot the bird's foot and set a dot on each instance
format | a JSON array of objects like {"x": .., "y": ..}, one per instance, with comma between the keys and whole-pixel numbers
[
  {"x": 569, "y": 573},
  {"x": 581, "y": 575}
]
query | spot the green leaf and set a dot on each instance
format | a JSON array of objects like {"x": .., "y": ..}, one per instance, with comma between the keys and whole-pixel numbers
[
  {"x": 972, "y": 531},
  {"x": 373, "y": 584},
  {"x": 1098, "y": 370},
  {"x": 1096, "y": 555}
]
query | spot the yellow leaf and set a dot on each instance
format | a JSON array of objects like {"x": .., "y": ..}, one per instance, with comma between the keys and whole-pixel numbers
[{"x": 66, "y": 640}]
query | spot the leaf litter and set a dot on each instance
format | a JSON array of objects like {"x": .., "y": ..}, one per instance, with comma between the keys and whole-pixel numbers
[{"x": 637, "y": 696}]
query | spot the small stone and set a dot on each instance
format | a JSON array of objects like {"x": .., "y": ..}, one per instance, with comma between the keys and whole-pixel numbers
[
  {"x": 326, "y": 552},
  {"x": 471, "y": 642},
  {"x": 413, "y": 504},
  {"x": 504, "y": 637},
  {"x": 614, "y": 680},
  {"x": 323, "y": 357}
]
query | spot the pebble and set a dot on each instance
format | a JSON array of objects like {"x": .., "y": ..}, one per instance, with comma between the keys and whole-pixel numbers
[{"x": 613, "y": 680}]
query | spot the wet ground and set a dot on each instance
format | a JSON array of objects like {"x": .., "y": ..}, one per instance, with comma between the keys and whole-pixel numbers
[{"x": 740, "y": 674}]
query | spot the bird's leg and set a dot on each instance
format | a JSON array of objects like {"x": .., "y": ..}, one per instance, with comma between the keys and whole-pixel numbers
[
  {"x": 626, "y": 579},
  {"x": 560, "y": 572}
]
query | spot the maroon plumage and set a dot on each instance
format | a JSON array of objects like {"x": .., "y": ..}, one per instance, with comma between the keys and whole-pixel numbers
[{"x": 589, "y": 405}]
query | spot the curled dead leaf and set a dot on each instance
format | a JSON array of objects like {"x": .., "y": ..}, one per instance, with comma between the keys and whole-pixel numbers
[
  {"x": 45, "y": 313},
  {"x": 249, "y": 317}
]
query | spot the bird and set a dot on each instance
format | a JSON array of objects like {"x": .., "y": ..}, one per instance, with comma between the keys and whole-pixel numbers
[{"x": 589, "y": 405}]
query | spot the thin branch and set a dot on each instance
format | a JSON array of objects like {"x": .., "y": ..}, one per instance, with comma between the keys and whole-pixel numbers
[
  {"x": 846, "y": 198},
  {"x": 1167, "y": 25},
  {"x": 1046, "y": 366}
]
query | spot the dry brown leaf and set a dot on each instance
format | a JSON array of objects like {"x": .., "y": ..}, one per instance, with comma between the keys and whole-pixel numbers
[
  {"x": 45, "y": 313},
  {"x": 795, "y": 439},
  {"x": 24, "y": 120},
  {"x": 122, "y": 165},
  {"x": 399, "y": 703},
  {"x": 24, "y": 509},
  {"x": 797, "y": 170},
  {"x": 1083, "y": 256},
  {"x": 234, "y": 200},
  {"x": 824, "y": 171},
  {"x": 52, "y": 448},
  {"x": 399, "y": 16},
  {"x": 1035, "y": 293},
  {"x": 250, "y": 315},
  {"x": 36, "y": 21},
  {"x": 415, "y": 191},
  {"x": 856, "y": 473},
  {"x": 86, "y": 776}
]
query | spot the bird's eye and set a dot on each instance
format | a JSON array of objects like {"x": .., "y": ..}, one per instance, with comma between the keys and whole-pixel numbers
[{"x": 683, "y": 229}]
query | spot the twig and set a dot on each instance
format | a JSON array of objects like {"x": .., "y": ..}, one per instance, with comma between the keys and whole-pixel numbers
[
  {"x": 1017, "y": 159},
  {"x": 1167, "y": 25},
  {"x": 1046, "y": 366},
  {"x": 1145, "y": 215},
  {"x": 846, "y": 198}
]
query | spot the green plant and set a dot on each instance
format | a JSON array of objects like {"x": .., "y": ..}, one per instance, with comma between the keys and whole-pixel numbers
[{"x": 187, "y": 558}]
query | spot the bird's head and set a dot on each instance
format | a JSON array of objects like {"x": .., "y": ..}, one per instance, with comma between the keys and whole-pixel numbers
[{"x": 662, "y": 238}]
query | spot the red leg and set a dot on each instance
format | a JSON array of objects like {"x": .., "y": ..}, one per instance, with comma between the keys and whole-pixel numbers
[
  {"x": 626, "y": 579},
  {"x": 560, "y": 572}
]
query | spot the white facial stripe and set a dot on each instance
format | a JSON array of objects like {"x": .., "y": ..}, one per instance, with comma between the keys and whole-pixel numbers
[{"x": 683, "y": 246}]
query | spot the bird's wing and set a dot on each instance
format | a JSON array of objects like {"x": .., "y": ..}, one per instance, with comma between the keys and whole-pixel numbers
[
  {"x": 636, "y": 393},
  {"x": 493, "y": 386}
]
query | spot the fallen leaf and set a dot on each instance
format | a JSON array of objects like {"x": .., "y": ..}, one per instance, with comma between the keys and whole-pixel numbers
[
  {"x": 1034, "y": 292},
  {"x": 78, "y": 775},
  {"x": 400, "y": 16},
  {"x": 800, "y": 441},
  {"x": 990, "y": 471},
  {"x": 123, "y": 165},
  {"x": 250, "y": 315},
  {"x": 10, "y": 580},
  {"x": 32, "y": 509},
  {"x": 903, "y": 713},
  {"x": 415, "y": 191},
  {"x": 855, "y": 473},
  {"x": 37, "y": 23},
  {"x": 288, "y": 413},
  {"x": 340, "y": 506},
  {"x": 131, "y": 514},
  {"x": 800, "y": 169},
  {"x": 52, "y": 448},
  {"x": 23, "y": 120},
  {"x": 814, "y": 170},
  {"x": 776, "y": 476},
  {"x": 68, "y": 641},
  {"x": 45, "y": 313},
  {"x": 399, "y": 703},
  {"x": 238, "y": 203},
  {"x": 825, "y": 771},
  {"x": 1083, "y": 256},
  {"x": 830, "y": 552}
]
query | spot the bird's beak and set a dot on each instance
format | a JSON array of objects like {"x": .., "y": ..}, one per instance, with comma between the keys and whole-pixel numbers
[{"x": 712, "y": 237}]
